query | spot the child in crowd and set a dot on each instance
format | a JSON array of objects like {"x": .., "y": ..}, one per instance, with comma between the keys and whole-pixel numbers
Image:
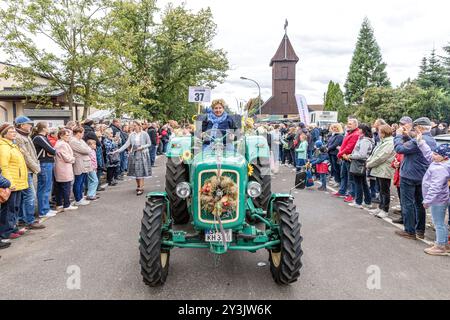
[
  {"x": 302, "y": 151},
  {"x": 321, "y": 161},
  {"x": 92, "y": 175},
  {"x": 436, "y": 193}
]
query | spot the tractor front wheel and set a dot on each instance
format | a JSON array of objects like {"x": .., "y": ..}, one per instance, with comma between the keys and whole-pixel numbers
[
  {"x": 175, "y": 174},
  {"x": 154, "y": 259},
  {"x": 285, "y": 261}
]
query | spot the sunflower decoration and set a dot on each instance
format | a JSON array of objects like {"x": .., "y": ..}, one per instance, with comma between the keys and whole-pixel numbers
[
  {"x": 250, "y": 170},
  {"x": 187, "y": 155},
  {"x": 219, "y": 196}
]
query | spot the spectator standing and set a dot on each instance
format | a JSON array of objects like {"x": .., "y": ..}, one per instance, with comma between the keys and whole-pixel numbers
[
  {"x": 120, "y": 139},
  {"x": 14, "y": 169},
  {"x": 110, "y": 142},
  {"x": 24, "y": 127},
  {"x": 92, "y": 175},
  {"x": 334, "y": 143},
  {"x": 153, "y": 134},
  {"x": 46, "y": 156},
  {"x": 379, "y": 163},
  {"x": 64, "y": 176},
  {"x": 82, "y": 165},
  {"x": 302, "y": 152},
  {"x": 359, "y": 156},
  {"x": 321, "y": 162},
  {"x": 165, "y": 137},
  {"x": 412, "y": 171},
  {"x": 396, "y": 164},
  {"x": 435, "y": 192},
  {"x": 348, "y": 144},
  {"x": 4, "y": 184},
  {"x": 100, "y": 158}
]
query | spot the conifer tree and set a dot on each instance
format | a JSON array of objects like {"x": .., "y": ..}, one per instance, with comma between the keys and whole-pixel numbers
[{"x": 367, "y": 68}]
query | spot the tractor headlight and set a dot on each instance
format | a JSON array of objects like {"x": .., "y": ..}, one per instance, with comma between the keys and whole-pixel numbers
[
  {"x": 183, "y": 190},
  {"x": 253, "y": 189}
]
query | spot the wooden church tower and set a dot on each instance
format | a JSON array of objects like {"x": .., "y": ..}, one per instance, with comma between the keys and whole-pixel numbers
[{"x": 283, "y": 64}]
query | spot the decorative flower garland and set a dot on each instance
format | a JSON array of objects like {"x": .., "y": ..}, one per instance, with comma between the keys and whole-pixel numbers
[{"x": 219, "y": 197}]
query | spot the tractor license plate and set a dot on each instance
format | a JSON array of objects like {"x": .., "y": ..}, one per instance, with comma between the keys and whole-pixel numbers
[{"x": 213, "y": 236}]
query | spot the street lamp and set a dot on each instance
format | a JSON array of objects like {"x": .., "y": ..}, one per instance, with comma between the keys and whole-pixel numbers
[{"x": 259, "y": 90}]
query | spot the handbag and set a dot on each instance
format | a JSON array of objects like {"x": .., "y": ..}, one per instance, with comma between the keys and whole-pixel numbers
[
  {"x": 5, "y": 193},
  {"x": 358, "y": 167}
]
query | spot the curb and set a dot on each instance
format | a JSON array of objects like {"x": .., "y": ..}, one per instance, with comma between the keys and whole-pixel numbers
[{"x": 389, "y": 221}]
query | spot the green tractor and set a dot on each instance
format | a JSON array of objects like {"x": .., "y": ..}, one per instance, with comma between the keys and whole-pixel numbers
[{"x": 223, "y": 193}]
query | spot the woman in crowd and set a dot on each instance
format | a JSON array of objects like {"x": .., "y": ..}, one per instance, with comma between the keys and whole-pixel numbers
[
  {"x": 139, "y": 158},
  {"x": 46, "y": 156},
  {"x": 290, "y": 151},
  {"x": 92, "y": 178},
  {"x": 15, "y": 170},
  {"x": 358, "y": 159},
  {"x": 82, "y": 165},
  {"x": 435, "y": 192},
  {"x": 112, "y": 158},
  {"x": 64, "y": 176},
  {"x": 334, "y": 143},
  {"x": 380, "y": 165}
]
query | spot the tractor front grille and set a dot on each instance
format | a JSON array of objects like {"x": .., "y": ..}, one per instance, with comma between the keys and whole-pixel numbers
[{"x": 207, "y": 216}]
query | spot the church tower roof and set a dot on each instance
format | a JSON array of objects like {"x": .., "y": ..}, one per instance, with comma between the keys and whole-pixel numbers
[{"x": 285, "y": 52}]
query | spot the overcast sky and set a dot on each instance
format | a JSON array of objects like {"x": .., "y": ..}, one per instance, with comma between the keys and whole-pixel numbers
[{"x": 323, "y": 34}]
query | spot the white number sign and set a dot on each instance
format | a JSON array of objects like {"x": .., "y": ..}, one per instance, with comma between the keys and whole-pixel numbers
[{"x": 199, "y": 94}]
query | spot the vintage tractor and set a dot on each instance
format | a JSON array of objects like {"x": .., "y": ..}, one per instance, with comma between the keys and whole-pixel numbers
[{"x": 223, "y": 191}]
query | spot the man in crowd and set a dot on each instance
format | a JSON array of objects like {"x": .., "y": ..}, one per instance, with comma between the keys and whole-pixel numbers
[
  {"x": 412, "y": 170},
  {"x": 153, "y": 133},
  {"x": 27, "y": 211},
  {"x": 117, "y": 131},
  {"x": 349, "y": 143}
]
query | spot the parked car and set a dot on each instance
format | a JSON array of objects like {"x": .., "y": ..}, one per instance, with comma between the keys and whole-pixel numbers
[{"x": 445, "y": 138}]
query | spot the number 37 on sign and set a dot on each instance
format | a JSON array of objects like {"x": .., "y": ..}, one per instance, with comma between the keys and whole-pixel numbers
[{"x": 199, "y": 94}]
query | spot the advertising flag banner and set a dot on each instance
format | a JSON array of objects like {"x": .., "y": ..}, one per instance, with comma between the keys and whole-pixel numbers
[{"x": 302, "y": 108}]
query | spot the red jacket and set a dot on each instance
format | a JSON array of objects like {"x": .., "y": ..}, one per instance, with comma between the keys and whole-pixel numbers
[
  {"x": 349, "y": 143},
  {"x": 399, "y": 158}
]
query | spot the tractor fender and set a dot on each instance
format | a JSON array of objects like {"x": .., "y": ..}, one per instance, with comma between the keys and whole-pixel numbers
[
  {"x": 179, "y": 146},
  {"x": 256, "y": 147},
  {"x": 277, "y": 196}
]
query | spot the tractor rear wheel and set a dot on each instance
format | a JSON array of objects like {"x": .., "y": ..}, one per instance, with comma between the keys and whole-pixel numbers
[
  {"x": 262, "y": 175},
  {"x": 176, "y": 173},
  {"x": 154, "y": 260},
  {"x": 285, "y": 261}
]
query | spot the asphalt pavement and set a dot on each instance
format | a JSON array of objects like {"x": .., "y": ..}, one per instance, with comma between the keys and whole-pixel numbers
[{"x": 92, "y": 253}]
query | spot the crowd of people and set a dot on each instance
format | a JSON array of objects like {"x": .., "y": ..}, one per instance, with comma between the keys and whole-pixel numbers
[
  {"x": 67, "y": 165},
  {"x": 364, "y": 161}
]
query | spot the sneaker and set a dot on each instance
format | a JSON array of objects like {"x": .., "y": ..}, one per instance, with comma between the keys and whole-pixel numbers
[
  {"x": 396, "y": 208},
  {"x": 49, "y": 214},
  {"x": 420, "y": 235},
  {"x": 4, "y": 245},
  {"x": 406, "y": 235},
  {"x": 36, "y": 226},
  {"x": 354, "y": 205},
  {"x": 374, "y": 212},
  {"x": 82, "y": 203},
  {"x": 367, "y": 206},
  {"x": 349, "y": 199},
  {"x": 436, "y": 251},
  {"x": 339, "y": 195},
  {"x": 70, "y": 208},
  {"x": 376, "y": 200},
  {"x": 91, "y": 198},
  {"x": 382, "y": 214}
]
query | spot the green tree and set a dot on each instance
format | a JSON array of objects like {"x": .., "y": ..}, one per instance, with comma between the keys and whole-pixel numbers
[
  {"x": 367, "y": 68},
  {"x": 76, "y": 31},
  {"x": 432, "y": 73},
  {"x": 446, "y": 64},
  {"x": 183, "y": 56},
  {"x": 253, "y": 105},
  {"x": 334, "y": 101}
]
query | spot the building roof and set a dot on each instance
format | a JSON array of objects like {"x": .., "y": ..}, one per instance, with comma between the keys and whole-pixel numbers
[
  {"x": 36, "y": 91},
  {"x": 285, "y": 52}
]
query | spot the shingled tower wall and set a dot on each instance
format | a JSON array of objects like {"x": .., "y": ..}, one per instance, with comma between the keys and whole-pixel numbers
[{"x": 283, "y": 65}]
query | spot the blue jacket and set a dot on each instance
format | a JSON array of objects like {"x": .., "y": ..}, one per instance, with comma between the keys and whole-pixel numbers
[
  {"x": 4, "y": 183},
  {"x": 322, "y": 157},
  {"x": 333, "y": 142},
  {"x": 228, "y": 124},
  {"x": 414, "y": 164}
]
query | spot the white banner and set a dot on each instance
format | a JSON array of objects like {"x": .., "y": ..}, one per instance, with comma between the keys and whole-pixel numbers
[{"x": 302, "y": 109}]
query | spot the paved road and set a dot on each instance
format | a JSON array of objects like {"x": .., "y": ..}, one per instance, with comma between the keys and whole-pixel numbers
[{"x": 340, "y": 244}]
